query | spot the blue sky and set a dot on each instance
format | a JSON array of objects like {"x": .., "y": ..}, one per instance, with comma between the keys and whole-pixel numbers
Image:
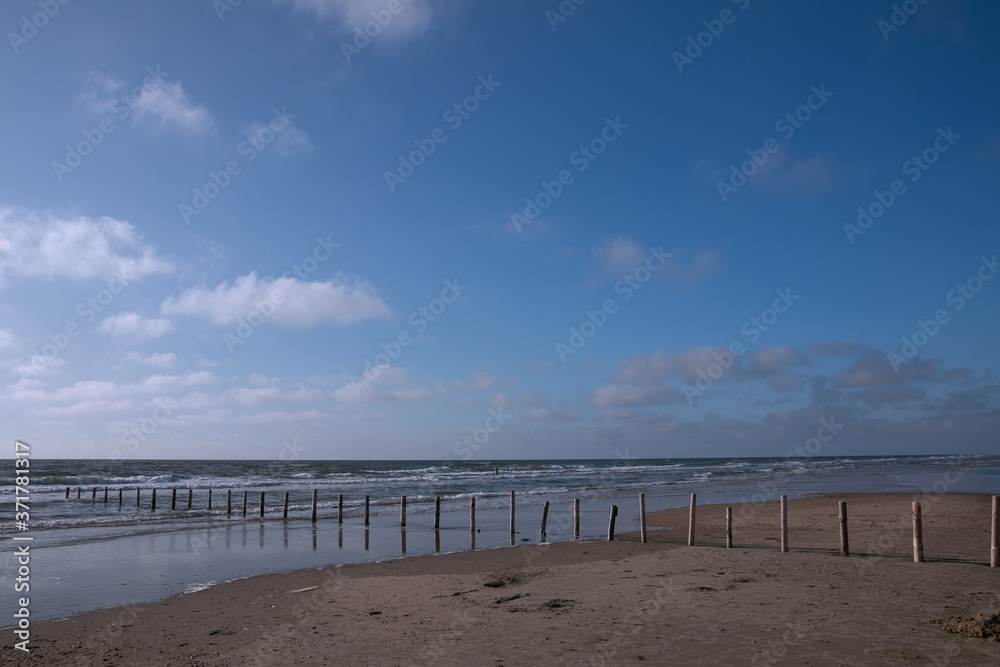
[{"x": 597, "y": 230}]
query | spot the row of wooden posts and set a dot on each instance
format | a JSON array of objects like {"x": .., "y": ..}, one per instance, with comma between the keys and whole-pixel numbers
[{"x": 918, "y": 539}]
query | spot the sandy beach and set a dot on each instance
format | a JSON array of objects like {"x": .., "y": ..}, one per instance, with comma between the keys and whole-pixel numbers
[{"x": 594, "y": 602}]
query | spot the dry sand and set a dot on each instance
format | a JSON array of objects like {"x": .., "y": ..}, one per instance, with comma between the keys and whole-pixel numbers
[{"x": 618, "y": 603}]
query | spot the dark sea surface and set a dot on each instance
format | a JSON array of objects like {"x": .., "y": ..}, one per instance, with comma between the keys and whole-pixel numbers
[{"x": 88, "y": 554}]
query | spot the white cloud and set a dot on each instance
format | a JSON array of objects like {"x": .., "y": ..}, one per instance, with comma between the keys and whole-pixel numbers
[
  {"x": 542, "y": 414},
  {"x": 481, "y": 380},
  {"x": 34, "y": 245},
  {"x": 171, "y": 383},
  {"x": 619, "y": 255},
  {"x": 157, "y": 102},
  {"x": 7, "y": 339},
  {"x": 165, "y": 360},
  {"x": 290, "y": 140},
  {"x": 35, "y": 365},
  {"x": 415, "y": 17},
  {"x": 135, "y": 326},
  {"x": 84, "y": 408},
  {"x": 290, "y": 301},
  {"x": 618, "y": 395}
]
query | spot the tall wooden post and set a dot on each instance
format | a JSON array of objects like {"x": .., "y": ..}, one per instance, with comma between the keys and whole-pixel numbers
[
  {"x": 245, "y": 494},
  {"x": 402, "y": 511},
  {"x": 105, "y": 495},
  {"x": 512, "y": 517},
  {"x": 121, "y": 497},
  {"x": 576, "y": 518},
  {"x": 729, "y": 527},
  {"x": 784, "y": 524},
  {"x": 173, "y": 500},
  {"x": 340, "y": 508},
  {"x": 93, "y": 496},
  {"x": 152, "y": 505},
  {"x": 366, "y": 509},
  {"x": 210, "y": 499},
  {"x": 67, "y": 493},
  {"x": 261, "y": 504},
  {"x": 545, "y": 517},
  {"x": 472, "y": 516},
  {"x": 995, "y": 540},
  {"x": 845, "y": 547},
  {"x": 285, "y": 515},
  {"x": 137, "y": 497},
  {"x": 190, "y": 497},
  {"x": 611, "y": 523},
  {"x": 315, "y": 499},
  {"x": 642, "y": 518},
  {"x": 437, "y": 512},
  {"x": 694, "y": 499},
  {"x": 229, "y": 502},
  {"x": 918, "y": 535},
  {"x": 78, "y": 493}
]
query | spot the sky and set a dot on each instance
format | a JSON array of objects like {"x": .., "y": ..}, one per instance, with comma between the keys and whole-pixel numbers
[{"x": 431, "y": 229}]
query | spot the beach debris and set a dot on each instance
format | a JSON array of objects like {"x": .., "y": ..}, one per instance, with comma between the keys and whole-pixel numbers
[
  {"x": 304, "y": 590},
  {"x": 511, "y": 597},
  {"x": 372, "y": 613},
  {"x": 503, "y": 579},
  {"x": 222, "y": 632},
  {"x": 981, "y": 626},
  {"x": 557, "y": 603}
]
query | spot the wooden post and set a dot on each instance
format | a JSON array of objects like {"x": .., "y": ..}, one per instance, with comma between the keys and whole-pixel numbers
[
  {"x": 261, "y": 504},
  {"x": 190, "y": 497},
  {"x": 121, "y": 497},
  {"x": 78, "y": 493},
  {"x": 545, "y": 517},
  {"x": 472, "y": 516},
  {"x": 105, "y": 495},
  {"x": 340, "y": 509},
  {"x": 918, "y": 535},
  {"x": 152, "y": 505},
  {"x": 437, "y": 512},
  {"x": 642, "y": 518},
  {"x": 511, "y": 517},
  {"x": 729, "y": 527},
  {"x": 229, "y": 502},
  {"x": 845, "y": 548},
  {"x": 93, "y": 496},
  {"x": 286, "y": 506},
  {"x": 995, "y": 540},
  {"x": 315, "y": 498},
  {"x": 210, "y": 499},
  {"x": 173, "y": 500},
  {"x": 137, "y": 497},
  {"x": 694, "y": 498},
  {"x": 784, "y": 524},
  {"x": 366, "y": 509},
  {"x": 67, "y": 493},
  {"x": 576, "y": 518},
  {"x": 611, "y": 523},
  {"x": 245, "y": 493},
  {"x": 402, "y": 511}
]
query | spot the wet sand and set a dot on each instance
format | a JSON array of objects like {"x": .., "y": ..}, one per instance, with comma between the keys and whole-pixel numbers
[{"x": 594, "y": 602}]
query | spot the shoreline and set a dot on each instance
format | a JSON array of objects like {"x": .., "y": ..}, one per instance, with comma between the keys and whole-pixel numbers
[{"x": 579, "y": 591}]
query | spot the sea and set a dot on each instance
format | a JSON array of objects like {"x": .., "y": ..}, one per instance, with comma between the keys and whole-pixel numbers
[{"x": 96, "y": 542}]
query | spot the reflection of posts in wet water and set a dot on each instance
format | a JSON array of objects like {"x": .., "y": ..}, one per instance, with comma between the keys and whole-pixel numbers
[
  {"x": 402, "y": 539},
  {"x": 437, "y": 512},
  {"x": 314, "y": 538},
  {"x": 437, "y": 540},
  {"x": 285, "y": 535},
  {"x": 340, "y": 537},
  {"x": 229, "y": 535},
  {"x": 261, "y": 535},
  {"x": 545, "y": 517},
  {"x": 366, "y": 539},
  {"x": 366, "y": 509},
  {"x": 340, "y": 508},
  {"x": 244, "y": 534},
  {"x": 576, "y": 518}
]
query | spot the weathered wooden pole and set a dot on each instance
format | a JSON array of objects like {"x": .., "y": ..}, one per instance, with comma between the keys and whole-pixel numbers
[
  {"x": 472, "y": 515},
  {"x": 173, "y": 500},
  {"x": 642, "y": 518},
  {"x": 845, "y": 547},
  {"x": 210, "y": 499},
  {"x": 437, "y": 512},
  {"x": 366, "y": 509},
  {"x": 729, "y": 527},
  {"x": 105, "y": 495},
  {"x": 93, "y": 496},
  {"x": 190, "y": 497},
  {"x": 285, "y": 516},
  {"x": 67, "y": 493},
  {"x": 402, "y": 511},
  {"x": 545, "y": 518},
  {"x": 78, "y": 493},
  {"x": 152, "y": 504},
  {"x": 576, "y": 518},
  {"x": 918, "y": 535},
  {"x": 137, "y": 497},
  {"x": 340, "y": 508},
  {"x": 261, "y": 504},
  {"x": 121, "y": 497},
  {"x": 611, "y": 523},
  {"x": 995, "y": 540},
  {"x": 245, "y": 494},
  {"x": 784, "y": 524},
  {"x": 512, "y": 517},
  {"x": 229, "y": 502},
  {"x": 694, "y": 498},
  {"x": 315, "y": 498}
]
